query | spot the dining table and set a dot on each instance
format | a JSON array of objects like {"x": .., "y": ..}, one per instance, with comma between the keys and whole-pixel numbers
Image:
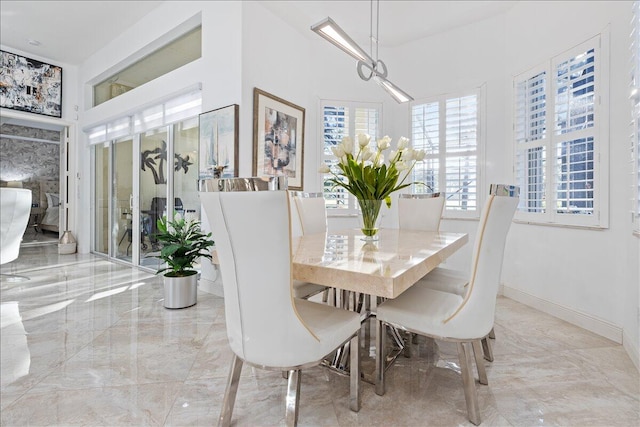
[{"x": 365, "y": 272}]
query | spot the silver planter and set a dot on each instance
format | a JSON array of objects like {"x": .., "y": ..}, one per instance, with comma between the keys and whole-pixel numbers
[{"x": 180, "y": 292}]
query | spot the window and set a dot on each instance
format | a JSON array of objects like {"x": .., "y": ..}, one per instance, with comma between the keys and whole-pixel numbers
[
  {"x": 171, "y": 111},
  {"x": 447, "y": 128},
  {"x": 635, "y": 102},
  {"x": 179, "y": 52},
  {"x": 340, "y": 119},
  {"x": 559, "y": 139}
]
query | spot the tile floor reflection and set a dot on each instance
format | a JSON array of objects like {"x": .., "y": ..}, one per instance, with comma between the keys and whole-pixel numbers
[{"x": 88, "y": 342}]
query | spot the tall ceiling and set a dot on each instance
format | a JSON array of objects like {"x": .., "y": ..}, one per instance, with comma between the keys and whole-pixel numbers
[
  {"x": 68, "y": 31},
  {"x": 71, "y": 31}
]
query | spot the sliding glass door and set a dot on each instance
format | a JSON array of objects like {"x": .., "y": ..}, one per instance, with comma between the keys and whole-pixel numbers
[
  {"x": 123, "y": 238},
  {"x": 153, "y": 205},
  {"x": 139, "y": 179}
]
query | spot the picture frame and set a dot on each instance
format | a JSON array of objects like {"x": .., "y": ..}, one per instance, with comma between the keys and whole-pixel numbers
[
  {"x": 30, "y": 85},
  {"x": 278, "y": 138},
  {"x": 218, "y": 143}
]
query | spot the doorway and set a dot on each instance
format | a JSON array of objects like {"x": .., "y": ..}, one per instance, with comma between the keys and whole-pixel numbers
[{"x": 31, "y": 157}]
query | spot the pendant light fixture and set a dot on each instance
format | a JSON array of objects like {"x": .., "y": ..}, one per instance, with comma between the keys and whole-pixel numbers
[{"x": 368, "y": 68}]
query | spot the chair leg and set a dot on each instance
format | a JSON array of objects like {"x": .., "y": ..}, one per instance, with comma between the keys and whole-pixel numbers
[
  {"x": 407, "y": 344},
  {"x": 469, "y": 384},
  {"x": 230, "y": 393},
  {"x": 381, "y": 332},
  {"x": 293, "y": 397},
  {"x": 354, "y": 373},
  {"x": 325, "y": 296},
  {"x": 487, "y": 350},
  {"x": 492, "y": 334},
  {"x": 478, "y": 354}
]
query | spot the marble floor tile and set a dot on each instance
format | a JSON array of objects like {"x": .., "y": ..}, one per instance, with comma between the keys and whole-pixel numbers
[{"x": 88, "y": 342}]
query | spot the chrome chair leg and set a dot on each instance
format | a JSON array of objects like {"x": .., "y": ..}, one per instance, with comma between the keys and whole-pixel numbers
[
  {"x": 478, "y": 354},
  {"x": 230, "y": 393},
  {"x": 293, "y": 398},
  {"x": 487, "y": 350},
  {"x": 469, "y": 384},
  {"x": 381, "y": 332},
  {"x": 407, "y": 344},
  {"x": 354, "y": 374}
]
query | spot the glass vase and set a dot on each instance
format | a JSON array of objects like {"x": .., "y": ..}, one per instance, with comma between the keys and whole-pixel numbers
[{"x": 370, "y": 218}]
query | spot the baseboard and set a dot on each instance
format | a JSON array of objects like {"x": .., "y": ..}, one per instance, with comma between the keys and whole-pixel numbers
[
  {"x": 211, "y": 287},
  {"x": 585, "y": 321},
  {"x": 631, "y": 349}
]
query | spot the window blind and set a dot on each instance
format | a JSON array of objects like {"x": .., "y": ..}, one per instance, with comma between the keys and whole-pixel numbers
[
  {"x": 558, "y": 169},
  {"x": 171, "y": 111},
  {"x": 447, "y": 128},
  {"x": 340, "y": 119}
]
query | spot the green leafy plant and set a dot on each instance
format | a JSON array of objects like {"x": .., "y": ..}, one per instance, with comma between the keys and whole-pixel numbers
[
  {"x": 365, "y": 174},
  {"x": 183, "y": 242}
]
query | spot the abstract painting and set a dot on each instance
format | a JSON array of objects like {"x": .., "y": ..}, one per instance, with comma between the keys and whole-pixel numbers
[
  {"x": 278, "y": 132},
  {"x": 30, "y": 85}
]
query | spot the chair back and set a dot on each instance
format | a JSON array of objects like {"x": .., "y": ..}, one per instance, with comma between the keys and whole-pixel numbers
[
  {"x": 296, "y": 225},
  {"x": 420, "y": 211},
  {"x": 475, "y": 315},
  {"x": 312, "y": 212},
  {"x": 250, "y": 226},
  {"x": 15, "y": 208}
]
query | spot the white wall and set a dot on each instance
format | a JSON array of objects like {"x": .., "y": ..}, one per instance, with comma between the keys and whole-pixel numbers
[
  {"x": 592, "y": 272},
  {"x": 588, "y": 277},
  {"x": 217, "y": 72}
]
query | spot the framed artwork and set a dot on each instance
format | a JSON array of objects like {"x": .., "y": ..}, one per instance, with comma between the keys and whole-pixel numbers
[
  {"x": 30, "y": 85},
  {"x": 219, "y": 143},
  {"x": 278, "y": 138}
]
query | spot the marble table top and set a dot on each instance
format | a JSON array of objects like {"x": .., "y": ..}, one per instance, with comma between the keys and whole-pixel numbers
[{"x": 384, "y": 268}]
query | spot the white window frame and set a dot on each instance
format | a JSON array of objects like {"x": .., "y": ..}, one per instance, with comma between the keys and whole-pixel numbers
[
  {"x": 442, "y": 154},
  {"x": 600, "y": 133},
  {"x": 352, "y": 208},
  {"x": 635, "y": 123}
]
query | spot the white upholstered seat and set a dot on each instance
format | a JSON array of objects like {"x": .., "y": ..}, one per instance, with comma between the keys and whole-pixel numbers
[
  {"x": 444, "y": 315},
  {"x": 266, "y": 326},
  {"x": 15, "y": 208}
]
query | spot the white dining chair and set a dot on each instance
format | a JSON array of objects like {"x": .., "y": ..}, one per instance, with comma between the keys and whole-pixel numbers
[
  {"x": 424, "y": 212},
  {"x": 312, "y": 211},
  {"x": 266, "y": 326},
  {"x": 15, "y": 208},
  {"x": 420, "y": 211},
  {"x": 307, "y": 218},
  {"x": 451, "y": 317}
]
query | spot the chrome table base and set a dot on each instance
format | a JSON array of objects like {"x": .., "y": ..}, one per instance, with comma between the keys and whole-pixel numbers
[{"x": 339, "y": 361}]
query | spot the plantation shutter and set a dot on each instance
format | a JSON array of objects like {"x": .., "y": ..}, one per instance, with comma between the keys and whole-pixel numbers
[
  {"x": 531, "y": 133},
  {"x": 461, "y": 146},
  {"x": 340, "y": 119},
  {"x": 574, "y": 89}
]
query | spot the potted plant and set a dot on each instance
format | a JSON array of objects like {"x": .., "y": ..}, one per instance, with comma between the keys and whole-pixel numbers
[{"x": 183, "y": 242}]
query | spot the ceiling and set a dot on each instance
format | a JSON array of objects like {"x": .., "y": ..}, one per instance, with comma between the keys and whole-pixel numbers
[
  {"x": 68, "y": 31},
  {"x": 71, "y": 31}
]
